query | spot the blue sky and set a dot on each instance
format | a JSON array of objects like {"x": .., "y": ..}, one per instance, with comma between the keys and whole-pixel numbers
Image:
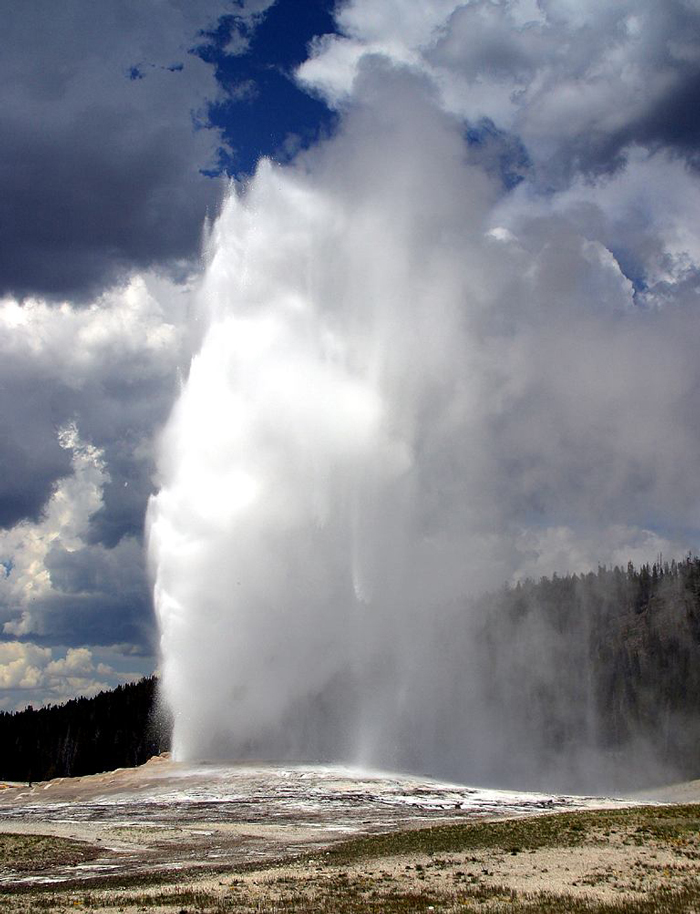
[
  {"x": 122, "y": 122},
  {"x": 272, "y": 109}
]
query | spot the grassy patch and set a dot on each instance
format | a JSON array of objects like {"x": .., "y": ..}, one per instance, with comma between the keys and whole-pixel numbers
[
  {"x": 350, "y": 878},
  {"x": 177, "y": 899},
  {"x": 569, "y": 829},
  {"x": 680, "y": 900},
  {"x": 36, "y": 853},
  {"x": 351, "y": 898}
]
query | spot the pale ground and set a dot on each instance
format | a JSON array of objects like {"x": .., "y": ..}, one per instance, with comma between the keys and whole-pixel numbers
[
  {"x": 223, "y": 828},
  {"x": 166, "y": 814},
  {"x": 601, "y": 872},
  {"x": 610, "y": 870}
]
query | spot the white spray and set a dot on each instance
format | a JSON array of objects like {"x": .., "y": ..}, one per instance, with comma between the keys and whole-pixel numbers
[
  {"x": 285, "y": 536},
  {"x": 395, "y": 405}
]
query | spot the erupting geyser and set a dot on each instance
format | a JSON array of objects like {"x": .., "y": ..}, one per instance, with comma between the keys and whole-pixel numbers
[
  {"x": 315, "y": 463},
  {"x": 413, "y": 383}
]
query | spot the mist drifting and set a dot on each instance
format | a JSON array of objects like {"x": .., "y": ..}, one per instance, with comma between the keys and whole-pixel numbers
[{"x": 436, "y": 355}]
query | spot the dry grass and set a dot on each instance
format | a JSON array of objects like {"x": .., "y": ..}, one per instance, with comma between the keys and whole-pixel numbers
[
  {"x": 38, "y": 853},
  {"x": 630, "y": 861}
]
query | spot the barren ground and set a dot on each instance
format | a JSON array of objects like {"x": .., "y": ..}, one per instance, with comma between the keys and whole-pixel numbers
[{"x": 242, "y": 838}]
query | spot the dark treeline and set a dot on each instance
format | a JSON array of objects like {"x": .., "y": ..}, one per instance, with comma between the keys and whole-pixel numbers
[
  {"x": 116, "y": 729},
  {"x": 599, "y": 671}
]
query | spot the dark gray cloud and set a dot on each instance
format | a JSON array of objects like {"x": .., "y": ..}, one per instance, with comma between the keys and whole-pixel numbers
[
  {"x": 30, "y": 455},
  {"x": 630, "y": 76},
  {"x": 119, "y": 405},
  {"x": 120, "y": 417},
  {"x": 673, "y": 121},
  {"x": 100, "y": 597},
  {"x": 113, "y": 370},
  {"x": 103, "y": 118}
]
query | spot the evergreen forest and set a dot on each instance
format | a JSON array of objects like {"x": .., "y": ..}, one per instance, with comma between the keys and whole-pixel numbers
[
  {"x": 598, "y": 672},
  {"x": 119, "y": 728}
]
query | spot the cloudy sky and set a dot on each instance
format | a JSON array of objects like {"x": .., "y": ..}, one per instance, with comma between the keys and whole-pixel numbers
[{"x": 122, "y": 122}]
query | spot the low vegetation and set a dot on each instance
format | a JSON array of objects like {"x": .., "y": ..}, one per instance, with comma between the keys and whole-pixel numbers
[
  {"x": 37, "y": 853},
  {"x": 439, "y": 870},
  {"x": 513, "y": 835}
]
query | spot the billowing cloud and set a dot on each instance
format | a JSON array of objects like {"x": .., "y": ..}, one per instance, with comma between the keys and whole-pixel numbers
[
  {"x": 579, "y": 83},
  {"x": 112, "y": 364},
  {"x": 30, "y": 673},
  {"x": 55, "y": 585},
  {"x": 72, "y": 567}
]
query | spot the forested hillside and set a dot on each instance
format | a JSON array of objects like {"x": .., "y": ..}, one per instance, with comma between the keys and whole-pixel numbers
[
  {"x": 115, "y": 729},
  {"x": 597, "y": 675}
]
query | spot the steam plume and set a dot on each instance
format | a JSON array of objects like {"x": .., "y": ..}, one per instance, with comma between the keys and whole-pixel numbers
[{"x": 413, "y": 384}]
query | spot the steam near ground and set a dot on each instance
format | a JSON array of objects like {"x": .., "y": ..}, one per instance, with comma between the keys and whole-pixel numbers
[{"x": 437, "y": 354}]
